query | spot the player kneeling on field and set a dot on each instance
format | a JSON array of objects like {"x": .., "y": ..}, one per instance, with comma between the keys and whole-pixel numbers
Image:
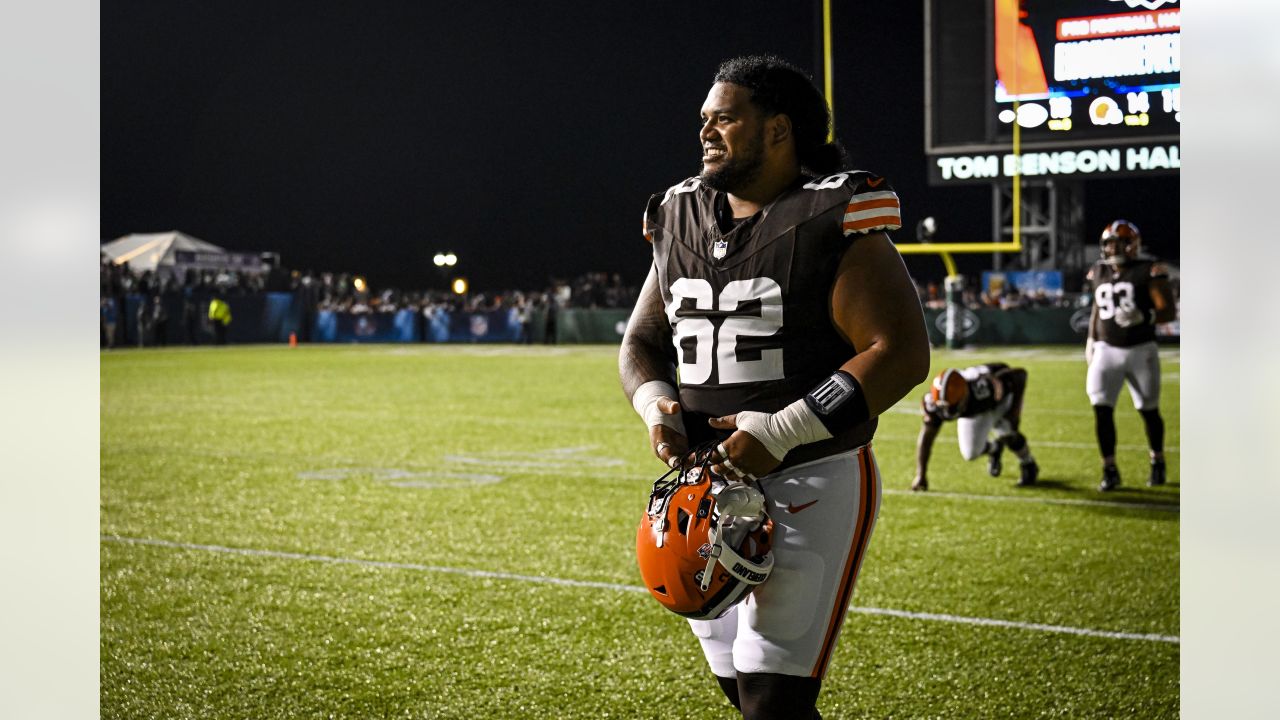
[{"x": 985, "y": 400}]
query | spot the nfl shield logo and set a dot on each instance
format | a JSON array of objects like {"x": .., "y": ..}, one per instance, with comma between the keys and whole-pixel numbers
[{"x": 719, "y": 249}]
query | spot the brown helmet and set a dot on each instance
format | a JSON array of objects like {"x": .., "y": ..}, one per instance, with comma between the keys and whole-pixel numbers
[
  {"x": 949, "y": 392},
  {"x": 1121, "y": 242}
]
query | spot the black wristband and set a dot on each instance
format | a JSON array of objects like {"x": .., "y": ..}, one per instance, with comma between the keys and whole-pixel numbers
[{"x": 839, "y": 403}]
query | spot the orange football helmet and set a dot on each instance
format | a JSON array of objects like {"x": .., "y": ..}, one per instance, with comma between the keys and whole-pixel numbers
[
  {"x": 1121, "y": 241},
  {"x": 949, "y": 392},
  {"x": 703, "y": 543}
]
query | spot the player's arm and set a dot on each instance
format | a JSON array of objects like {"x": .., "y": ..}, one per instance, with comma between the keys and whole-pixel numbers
[
  {"x": 646, "y": 367},
  {"x": 1093, "y": 318},
  {"x": 1006, "y": 379},
  {"x": 929, "y": 428},
  {"x": 875, "y": 307},
  {"x": 1162, "y": 297}
]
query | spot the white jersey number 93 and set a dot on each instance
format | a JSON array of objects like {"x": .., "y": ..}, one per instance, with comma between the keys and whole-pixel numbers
[{"x": 1112, "y": 296}]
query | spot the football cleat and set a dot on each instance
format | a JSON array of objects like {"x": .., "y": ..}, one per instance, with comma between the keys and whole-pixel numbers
[
  {"x": 704, "y": 543},
  {"x": 1030, "y": 471},
  {"x": 994, "y": 466},
  {"x": 1157, "y": 476},
  {"x": 920, "y": 485},
  {"x": 1110, "y": 478}
]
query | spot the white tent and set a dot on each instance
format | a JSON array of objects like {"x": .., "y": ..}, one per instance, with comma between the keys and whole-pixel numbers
[{"x": 154, "y": 251}]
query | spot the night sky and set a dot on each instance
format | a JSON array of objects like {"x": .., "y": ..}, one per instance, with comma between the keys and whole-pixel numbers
[{"x": 366, "y": 137}]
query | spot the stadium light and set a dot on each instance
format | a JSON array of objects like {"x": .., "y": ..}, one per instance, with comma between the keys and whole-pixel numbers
[
  {"x": 450, "y": 259},
  {"x": 926, "y": 229},
  {"x": 460, "y": 286},
  {"x": 438, "y": 260},
  {"x": 360, "y": 284}
]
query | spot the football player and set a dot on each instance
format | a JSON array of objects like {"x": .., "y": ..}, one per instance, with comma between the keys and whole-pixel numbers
[
  {"x": 778, "y": 319},
  {"x": 1131, "y": 295},
  {"x": 986, "y": 403}
]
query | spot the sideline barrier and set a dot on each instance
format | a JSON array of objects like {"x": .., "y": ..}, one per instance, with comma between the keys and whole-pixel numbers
[
  {"x": 591, "y": 326},
  {"x": 1024, "y": 326},
  {"x": 272, "y": 317}
]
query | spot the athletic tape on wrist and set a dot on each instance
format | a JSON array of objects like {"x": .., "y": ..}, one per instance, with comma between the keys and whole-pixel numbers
[
  {"x": 645, "y": 402},
  {"x": 838, "y": 402},
  {"x": 779, "y": 432}
]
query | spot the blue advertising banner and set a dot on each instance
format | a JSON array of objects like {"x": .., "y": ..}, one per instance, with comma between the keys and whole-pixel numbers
[
  {"x": 333, "y": 326},
  {"x": 491, "y": 326},
  {"x": 1042, "y": 283}
]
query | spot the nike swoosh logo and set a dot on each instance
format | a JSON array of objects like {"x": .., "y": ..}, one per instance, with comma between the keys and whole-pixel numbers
[
  {"x": 874, "y": 183},
  {"x": 792, "y": 508}
]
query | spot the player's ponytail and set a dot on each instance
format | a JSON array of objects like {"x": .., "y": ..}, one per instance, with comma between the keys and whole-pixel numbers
[{"x": 823, "y": 159}]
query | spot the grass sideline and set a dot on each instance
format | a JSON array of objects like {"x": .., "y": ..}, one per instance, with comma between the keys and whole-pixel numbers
[{"x": 447, "y": 532}]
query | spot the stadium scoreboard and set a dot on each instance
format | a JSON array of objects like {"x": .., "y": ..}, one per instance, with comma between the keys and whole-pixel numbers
[{"x": 1092, "y": 86}]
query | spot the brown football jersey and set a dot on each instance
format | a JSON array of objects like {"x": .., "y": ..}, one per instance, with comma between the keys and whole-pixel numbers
[
  {"x": 1117, "y": 286},
  {"x": 749, "y": 300}
]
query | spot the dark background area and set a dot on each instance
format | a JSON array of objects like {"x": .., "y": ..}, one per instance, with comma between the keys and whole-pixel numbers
[{"x": 367, "y": 137}]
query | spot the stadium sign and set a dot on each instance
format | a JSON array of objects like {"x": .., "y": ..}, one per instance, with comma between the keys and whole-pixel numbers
[{"x": 1091, "y": 162}]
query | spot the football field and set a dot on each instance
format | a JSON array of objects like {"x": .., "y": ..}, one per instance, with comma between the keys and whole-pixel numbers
[{"x": 422, "y": 531}]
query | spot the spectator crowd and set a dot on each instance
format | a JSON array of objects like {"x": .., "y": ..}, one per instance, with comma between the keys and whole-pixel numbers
[{"x": 152, "y": 296}]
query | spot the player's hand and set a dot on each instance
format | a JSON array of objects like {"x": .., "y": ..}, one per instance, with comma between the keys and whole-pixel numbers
[
  {"x": 668, "y": 444},
  {"x": 1129, "y": 315},
  {"x": 746, "y": 457},
  {"x": 1088, "y": 351}
]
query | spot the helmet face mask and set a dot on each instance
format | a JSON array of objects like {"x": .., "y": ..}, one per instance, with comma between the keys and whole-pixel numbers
[
  {"x": 950, "y": 392},
  {"x": 696, "y": 558},
  {"x": 1120, "y": 242}
]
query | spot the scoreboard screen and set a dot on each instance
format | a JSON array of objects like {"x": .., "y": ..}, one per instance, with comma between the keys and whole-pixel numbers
[{"x": 1093, "y": 87}]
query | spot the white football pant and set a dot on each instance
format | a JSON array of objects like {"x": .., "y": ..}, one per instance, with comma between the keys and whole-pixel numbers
[
  {"x": 823, "y": 514},
  {"x": 972, "y": 432},
  {"x": 1112, "y": 366}
]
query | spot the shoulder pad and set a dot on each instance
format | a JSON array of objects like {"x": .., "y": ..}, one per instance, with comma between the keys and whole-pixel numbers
[
  {"x": 872, "y": 206},
  {"x": 663, "y": 206},
  {"x": 648, "y": 226},
  {"x": 684, "y": 186}
]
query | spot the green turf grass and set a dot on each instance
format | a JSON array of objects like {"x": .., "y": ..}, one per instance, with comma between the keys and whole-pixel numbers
[{"x": 349, "y": 478}]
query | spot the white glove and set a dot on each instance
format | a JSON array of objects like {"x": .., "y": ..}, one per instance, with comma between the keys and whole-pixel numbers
[{"x": 1129, "y": 315}]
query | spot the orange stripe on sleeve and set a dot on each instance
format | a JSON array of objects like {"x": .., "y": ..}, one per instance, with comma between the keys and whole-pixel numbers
[
  {"x": 879, "y": 221},
  {"x": 855, "y": 205}
]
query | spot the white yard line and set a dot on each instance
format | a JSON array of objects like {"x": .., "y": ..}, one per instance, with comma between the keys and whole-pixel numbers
[
  {"x": 890, "y": 437},
  {"x": 470, "y": 572},
  {"x": 1163, "y": 507}
]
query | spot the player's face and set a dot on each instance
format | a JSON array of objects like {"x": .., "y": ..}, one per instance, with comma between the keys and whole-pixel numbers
[
  {"x": 1111, "y": 249},
  {"x": 732, "y": 138},
  {"x": 1119, "y": 249}
]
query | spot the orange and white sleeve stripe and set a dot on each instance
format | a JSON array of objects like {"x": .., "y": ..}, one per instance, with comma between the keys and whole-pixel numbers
[{"x": 871, "y": 211}]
